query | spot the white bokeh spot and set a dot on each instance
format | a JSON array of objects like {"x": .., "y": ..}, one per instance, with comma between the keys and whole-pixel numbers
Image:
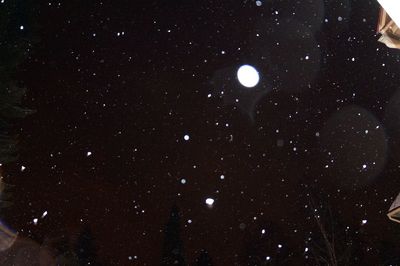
[
  {"x": 210, "y": 202},
  {"x": 248, "y": 76}
]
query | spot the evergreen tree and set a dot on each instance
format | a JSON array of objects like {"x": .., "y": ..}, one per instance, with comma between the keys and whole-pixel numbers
[
  {"x": 173, "y": 246},
  {"x": 64, "y": 254},
  {"x": 204, "y": 259},
  {"x": 15, "y": 44},
  {"x": 16, "y": 41},
  {"x": 85, "y": 248}
]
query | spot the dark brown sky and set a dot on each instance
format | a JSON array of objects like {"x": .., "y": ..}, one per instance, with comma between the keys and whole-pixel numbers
[{"x": 126, "y": 80}]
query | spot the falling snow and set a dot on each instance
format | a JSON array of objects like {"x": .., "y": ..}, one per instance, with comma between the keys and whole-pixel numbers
[
  {"x": 209, "y": 201},
  {"x": 176, "y": 127}
]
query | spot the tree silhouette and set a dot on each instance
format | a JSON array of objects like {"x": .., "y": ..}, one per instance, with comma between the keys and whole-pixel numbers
[
  {"x": 173, "y": 246},
  {"x": 204, "y": 259},
  {"x": 15, "y": 43},
  {"x": 333, "y": 243},
  {"x": 85, "y": 248},
  {"x": 65, "y": 255}
]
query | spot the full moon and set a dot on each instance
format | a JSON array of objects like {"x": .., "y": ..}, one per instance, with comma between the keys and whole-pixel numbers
[{"x": 248, "y": 76}]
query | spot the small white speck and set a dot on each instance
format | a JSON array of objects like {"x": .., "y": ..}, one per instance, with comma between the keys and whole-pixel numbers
[
  {"x": 279, "y": 246},
  {"x": 268, "y": 258},
  {"x": 364, "y": 166},
  {"x": 222, "y": 177},
  {"x": 189, "y": 221},
  {"x": 183, "y": 181},
  {"x": 209, "y": 95},
  {"x": 35, "y": 221},
  {"x": 366, "y": 131},
  {"x": 263, "y": 231},
  {"x": 44, "y": 214},
  {"x": 258, "y": 3},
  {"x": 186, "y": 137},
  {"x": 23, "y": 168},
  {"x": 307, "y": 57},
  {"x": 21, "y": 27},
  {"x": 222, "y": 52},
  {"x": 339, "y": 18},
  {"x": 306, "y": 249},
  {"x": 89, "y": 153}
]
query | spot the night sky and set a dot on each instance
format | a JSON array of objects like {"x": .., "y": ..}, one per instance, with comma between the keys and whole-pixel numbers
[{"x": 139, "y": 108}]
